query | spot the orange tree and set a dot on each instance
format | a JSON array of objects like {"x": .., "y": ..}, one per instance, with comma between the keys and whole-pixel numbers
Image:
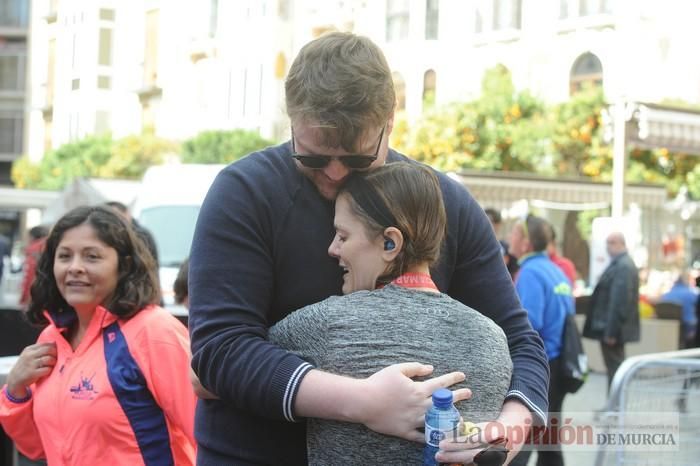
[
  {"x": 508, "y": 130},
  {"x": 502, "y": 130}
]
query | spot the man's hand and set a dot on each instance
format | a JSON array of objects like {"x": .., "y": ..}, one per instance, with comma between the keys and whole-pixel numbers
[
  {"x": 514, "y": 424},
  {"x": 388, "y": 402},
  {"x": 396, "y": 405},
  {"x": 610, "y": 341}
]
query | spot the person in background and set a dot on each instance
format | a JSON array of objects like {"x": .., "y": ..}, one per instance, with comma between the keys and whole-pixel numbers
[
  {"x": 697, "y": 313},
  {"x": 108, "y": 377},
  {"x": 683, "y": 294},
  {"x": 510, "y": 260},
  {"x": 562, "y": 262},
  {"x": 37, "y": 239},
  {"x": 390, "y": 224},
  {"x": 546, "y": 293},
  {"x": 613, "y": 314},
  {"x": 260, "y": 252},
  {"x": 5, "y": 249},
  {"x": 180, "y": 287},
  {"x": 142, "y": 232}
]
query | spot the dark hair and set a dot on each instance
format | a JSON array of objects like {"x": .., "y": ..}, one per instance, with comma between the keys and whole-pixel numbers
[
  {"x": 180, "y": 285},
  {"x": 38, "y": 232},
  {"x": 342, "y": 83},
  {"x": 120, "y": 206},
  {"x": 137, "y": 284},
  {"x": 493, "y": 215},
  {"x": 406, "y": 196},
  {"x": 538, "y": 232}
]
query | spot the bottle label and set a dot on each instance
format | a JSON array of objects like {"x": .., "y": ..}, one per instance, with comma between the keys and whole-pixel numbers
[{"x": 433, "y": 436}]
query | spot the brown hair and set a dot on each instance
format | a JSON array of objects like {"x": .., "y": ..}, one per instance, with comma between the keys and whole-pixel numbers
[
  {"x": 137, "y": 284},
  {"x": 407, "y": 196},
  {"x": 342, "y": 83}
]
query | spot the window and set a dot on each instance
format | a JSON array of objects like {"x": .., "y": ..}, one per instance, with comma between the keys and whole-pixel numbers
[
  {"x": 104, "y": 82},
  {"x": 586, "y": 71},
  {"x": 104, "y": 57},
  {"x": 478, "y": 21},
  {"x": 213, "y": 17},
  {"x": 150, "y": 65},
  {"x": 11, "y": 128},
  {"x": 432, "y": 14},
  {"x": 506, "y": 14},
  {"x": 14, "y": 13},
  {"x": 106, "y": 14},
  {"x": 579, "y": 8},
  {"x": 396, "y": 20},
  {"x": 497, "y": 15},
  {"x": 429, "y": 81},
  {"x": 12, "y": 69},
  {"x": 400, "y": 89}
]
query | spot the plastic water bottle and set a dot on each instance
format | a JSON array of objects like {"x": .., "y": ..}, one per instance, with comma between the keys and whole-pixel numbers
[{"x": 441, "y": 422}]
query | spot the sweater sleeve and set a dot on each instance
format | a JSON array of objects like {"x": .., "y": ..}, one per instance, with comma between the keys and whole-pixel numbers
[
  {"x": 231, "y": 282},
  {"x": 17, "y": 421},
  {"x": 481, "y": 281}
]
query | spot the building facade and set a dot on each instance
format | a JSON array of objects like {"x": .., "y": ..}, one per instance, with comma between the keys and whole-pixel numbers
[
  {"x": 179, "y": 67},
  {"x": 14, "y": 35}
]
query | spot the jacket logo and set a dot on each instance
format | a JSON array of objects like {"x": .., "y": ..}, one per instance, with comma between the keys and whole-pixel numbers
[{"x": 84, "y": 390}]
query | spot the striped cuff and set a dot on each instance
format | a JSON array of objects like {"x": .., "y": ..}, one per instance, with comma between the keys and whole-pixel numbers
[
  {"x": 291, "y": 390},
  {"x": 520, "y": 396},
  {"x": 13, "y": 399}
]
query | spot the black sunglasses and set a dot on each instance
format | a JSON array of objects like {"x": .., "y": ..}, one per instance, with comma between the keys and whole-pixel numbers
[{"x": 354, "y": 162}]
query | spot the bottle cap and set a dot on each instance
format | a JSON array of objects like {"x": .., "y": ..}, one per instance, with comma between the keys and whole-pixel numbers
[{"x": 442, "y": 397}]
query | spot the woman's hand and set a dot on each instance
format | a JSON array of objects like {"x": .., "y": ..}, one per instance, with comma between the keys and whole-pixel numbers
[
  {"x": 35, "y": 361},
  {"x": 396, "y": 405}
]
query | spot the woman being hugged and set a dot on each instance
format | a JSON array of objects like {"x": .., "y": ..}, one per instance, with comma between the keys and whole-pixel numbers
[
  {"x": 108, "y": 379},
  {"x": 390, "y": 226}
]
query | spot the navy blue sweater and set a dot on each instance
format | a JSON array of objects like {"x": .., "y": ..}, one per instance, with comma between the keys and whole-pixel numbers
[{"x": 260, "y": 252}]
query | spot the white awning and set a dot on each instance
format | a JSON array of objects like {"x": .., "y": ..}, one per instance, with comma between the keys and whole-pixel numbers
[
  {"x": 502, "y": 189},
  {"x": 654, "y": 126}
]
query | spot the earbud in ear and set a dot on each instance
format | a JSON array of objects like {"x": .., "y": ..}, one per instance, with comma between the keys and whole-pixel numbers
[{"x": 389, "y": 245}]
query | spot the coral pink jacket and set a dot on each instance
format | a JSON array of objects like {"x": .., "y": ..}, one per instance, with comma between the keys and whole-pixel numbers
[{"x": 122, "y": 397}]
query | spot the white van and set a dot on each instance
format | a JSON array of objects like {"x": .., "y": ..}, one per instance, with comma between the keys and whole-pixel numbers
[{"x": 167, "y": 204}]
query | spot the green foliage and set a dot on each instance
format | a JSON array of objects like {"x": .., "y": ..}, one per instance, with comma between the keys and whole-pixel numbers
[
  {"x": 502, "y": 130},
  {"x": 132, "y": 155},
  {"x": 94, "y": 156},
  {"x": 222, "y": 146},
  {"x": 511, "y": 130},
  {"x": 76, "y": 159},
  {"x": 693, "y": 179}
]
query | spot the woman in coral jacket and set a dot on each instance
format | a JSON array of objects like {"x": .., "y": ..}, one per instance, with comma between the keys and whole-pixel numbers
[{"x": 108, "y": 379}]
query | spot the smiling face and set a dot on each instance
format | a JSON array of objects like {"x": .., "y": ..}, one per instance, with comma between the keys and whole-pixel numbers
[
  {"x": 85, "y": 268},
  {"x": 360, "y": 257},
  {"x": 330, "y": 178}
]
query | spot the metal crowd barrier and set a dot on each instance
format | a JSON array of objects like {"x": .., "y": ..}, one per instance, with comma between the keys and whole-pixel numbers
[{"x": 647, "y": 388}]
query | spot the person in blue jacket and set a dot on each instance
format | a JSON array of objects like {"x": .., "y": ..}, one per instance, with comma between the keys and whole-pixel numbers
[
  {"x": 546, "y": 295},
  {"x": 260, "y": 252},
  {"x": 683, "y": 294}
]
